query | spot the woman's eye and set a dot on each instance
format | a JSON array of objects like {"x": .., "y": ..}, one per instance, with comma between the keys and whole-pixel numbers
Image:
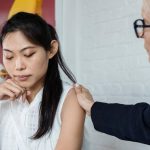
[
  {"x": 9, "y": 58},
  {"x": 29, "y": 55}
]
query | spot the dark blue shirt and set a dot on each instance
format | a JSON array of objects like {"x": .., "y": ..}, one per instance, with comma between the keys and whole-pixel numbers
[{"x": 127, "y": 122}]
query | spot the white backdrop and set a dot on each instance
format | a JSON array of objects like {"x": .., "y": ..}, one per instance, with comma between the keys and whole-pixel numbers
[{"x": 100, "y": 47}]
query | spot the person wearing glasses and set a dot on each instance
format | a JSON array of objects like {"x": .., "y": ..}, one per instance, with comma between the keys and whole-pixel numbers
[{"x": 126, "y": 122}]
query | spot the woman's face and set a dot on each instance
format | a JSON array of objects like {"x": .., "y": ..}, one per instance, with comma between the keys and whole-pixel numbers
[{"x": 24, "y": 61}]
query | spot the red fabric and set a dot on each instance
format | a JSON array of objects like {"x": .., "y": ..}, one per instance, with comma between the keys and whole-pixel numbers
[{"x": 48, "y": 11}]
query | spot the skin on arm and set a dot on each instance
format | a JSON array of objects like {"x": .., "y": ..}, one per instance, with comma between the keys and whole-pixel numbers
[{"x": 72, "y": 117}]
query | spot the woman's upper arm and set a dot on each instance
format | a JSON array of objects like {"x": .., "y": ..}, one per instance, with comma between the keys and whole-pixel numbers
[{"x": 72, "y": 127}]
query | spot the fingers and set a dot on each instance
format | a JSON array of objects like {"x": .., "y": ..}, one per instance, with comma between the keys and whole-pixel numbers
[
  {"x": 84, "y": 89},
  {"x": 13, "y": 89},
  {"x": 28, "y": 93},
  {"x": 7, "y": 94},
  {"x": 10, "y": 90},
  {"x": 84, "y": 98},
  {"x": 25, "y": 94},
  {"x": 78, "y": 89},
  {"x": 14, "y": 83}
]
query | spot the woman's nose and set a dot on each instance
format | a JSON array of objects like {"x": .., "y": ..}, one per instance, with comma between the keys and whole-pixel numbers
[{"x": 20, "y": 64}]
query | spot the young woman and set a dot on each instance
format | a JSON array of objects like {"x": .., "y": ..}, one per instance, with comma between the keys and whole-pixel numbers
[{"x": 37, "y": 110}]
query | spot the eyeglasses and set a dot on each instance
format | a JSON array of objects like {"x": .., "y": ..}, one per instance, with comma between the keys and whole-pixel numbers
[{"x": 139, "y": 26}]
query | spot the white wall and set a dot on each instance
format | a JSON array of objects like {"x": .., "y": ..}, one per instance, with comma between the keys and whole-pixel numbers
[{"x": 100, "y": 47}]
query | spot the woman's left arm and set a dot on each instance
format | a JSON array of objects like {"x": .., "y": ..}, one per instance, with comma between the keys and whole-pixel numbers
[{"x": 72, "y": 127}]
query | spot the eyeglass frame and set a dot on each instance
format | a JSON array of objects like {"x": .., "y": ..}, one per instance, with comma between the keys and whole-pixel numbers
[{"x": 141, "y": 26}]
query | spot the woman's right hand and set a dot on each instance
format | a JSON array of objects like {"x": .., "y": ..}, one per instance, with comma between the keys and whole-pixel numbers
[{"x": 10, "y": 90}]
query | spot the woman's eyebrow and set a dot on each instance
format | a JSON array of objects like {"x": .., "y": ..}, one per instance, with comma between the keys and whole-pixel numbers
[{"x": 21, "y": 50}]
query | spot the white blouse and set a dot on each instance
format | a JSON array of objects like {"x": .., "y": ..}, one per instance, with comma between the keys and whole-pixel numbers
[{"x": 19, "y": 122}]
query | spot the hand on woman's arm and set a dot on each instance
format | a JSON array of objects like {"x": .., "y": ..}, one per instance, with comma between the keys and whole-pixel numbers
[{"x": 85, "y": 98}]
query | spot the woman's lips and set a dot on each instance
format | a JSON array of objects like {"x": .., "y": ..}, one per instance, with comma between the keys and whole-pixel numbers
[{"x": 22, "y": 77}]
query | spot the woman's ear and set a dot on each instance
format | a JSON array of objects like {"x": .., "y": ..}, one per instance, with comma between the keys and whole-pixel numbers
[{"x": 54, "y": 49}]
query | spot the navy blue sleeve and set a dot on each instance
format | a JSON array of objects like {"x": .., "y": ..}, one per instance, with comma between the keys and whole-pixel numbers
[{"x": 126, "y": 122}]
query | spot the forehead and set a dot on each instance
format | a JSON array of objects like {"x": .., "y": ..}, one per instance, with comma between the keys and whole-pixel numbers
[
  {"x": 145, "y": 11},
  {"x": 15, "y": 40}
]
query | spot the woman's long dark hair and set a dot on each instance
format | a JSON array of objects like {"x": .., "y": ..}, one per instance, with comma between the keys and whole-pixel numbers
[{"x": 39, "y": 32}]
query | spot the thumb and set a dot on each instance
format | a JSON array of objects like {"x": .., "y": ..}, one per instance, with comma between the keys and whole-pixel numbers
[{"x": 28, "y": 93}]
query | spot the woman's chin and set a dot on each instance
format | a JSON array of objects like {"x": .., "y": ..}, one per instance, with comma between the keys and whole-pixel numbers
[{"x": 25, "y": 85}]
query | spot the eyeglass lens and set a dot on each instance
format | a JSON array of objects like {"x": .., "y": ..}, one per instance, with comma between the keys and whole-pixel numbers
[{"x": 139, "y": 28}]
